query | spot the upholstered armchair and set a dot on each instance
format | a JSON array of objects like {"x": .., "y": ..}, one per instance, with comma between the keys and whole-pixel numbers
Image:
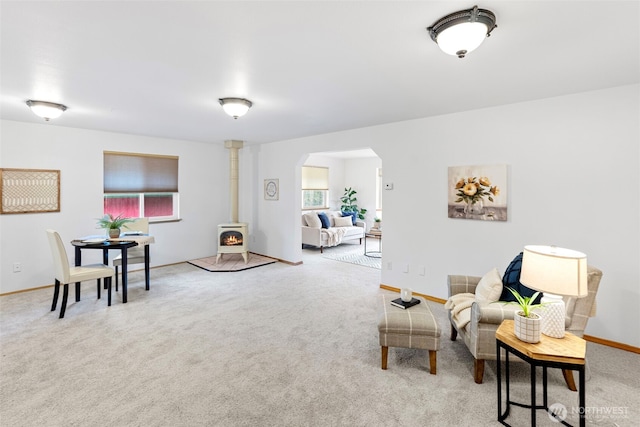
[{"x": 479, "y": 334}]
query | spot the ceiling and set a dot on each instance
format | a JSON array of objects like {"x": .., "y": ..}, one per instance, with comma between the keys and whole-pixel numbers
[
  {"x": 351, "y": 154},
  {"x": 309, "y": 67}
]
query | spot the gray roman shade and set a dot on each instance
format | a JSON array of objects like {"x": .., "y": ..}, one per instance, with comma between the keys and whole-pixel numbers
[{"x": 140, "y": 173}]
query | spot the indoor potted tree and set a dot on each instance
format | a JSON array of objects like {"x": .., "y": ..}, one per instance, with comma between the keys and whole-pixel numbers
[
  {"x": 526, "y": 322},
  {"x": 349, "y": 203},
  {"x": 113, "y": 225}
]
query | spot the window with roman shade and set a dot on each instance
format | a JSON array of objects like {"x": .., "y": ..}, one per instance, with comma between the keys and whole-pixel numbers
[
  {"x": 141, "y": 185},
  {"x": 315, "y": 187}
]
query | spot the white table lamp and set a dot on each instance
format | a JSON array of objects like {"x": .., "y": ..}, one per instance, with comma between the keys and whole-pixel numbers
[{"x": 556, "y": 272}]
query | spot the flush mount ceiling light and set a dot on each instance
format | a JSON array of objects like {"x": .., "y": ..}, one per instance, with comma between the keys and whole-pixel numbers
[
  {"x": 235, "y": 107},
  {"x": 46, "y": 110},
  {"x": 462, "y": 32}
]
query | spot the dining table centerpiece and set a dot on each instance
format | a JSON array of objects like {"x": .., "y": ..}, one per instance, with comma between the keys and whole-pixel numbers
[{"x": 113, "y": 225}]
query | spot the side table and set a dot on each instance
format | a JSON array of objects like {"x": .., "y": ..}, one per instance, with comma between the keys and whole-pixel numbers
[
  {"x": 376, "y": 235},
  {"x": 564, "y": 353}
]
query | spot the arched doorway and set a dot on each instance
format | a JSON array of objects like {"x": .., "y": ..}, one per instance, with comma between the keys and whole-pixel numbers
[{"x": 357, "y": 169}]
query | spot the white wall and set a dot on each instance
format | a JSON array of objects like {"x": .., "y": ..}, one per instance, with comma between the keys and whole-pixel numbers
[
  {"x": 77, "y": 153},
  {"x": 361, "y": 175},
  {"x": 573, "y": 166},
  {"x": 356, "y": 173},
  {"x": 573, "y": 181}
]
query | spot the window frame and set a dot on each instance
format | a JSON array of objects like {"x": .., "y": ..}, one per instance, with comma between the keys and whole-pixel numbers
[
  {"x": 325, "y": 199},
  {"x": 317, "y": 181},
  {"x": 143, "y": 182},
  {"x": 141, "y": 205}
]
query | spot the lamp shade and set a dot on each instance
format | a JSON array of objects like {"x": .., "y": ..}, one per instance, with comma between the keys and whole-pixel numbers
[
  {"x": 462, "y": 37},
  {"x": 462, "y": 32},
  {"x": 235, "y": 107},
  {"x": 46, "y": 110},
  {"x": 554, "y": 270}
]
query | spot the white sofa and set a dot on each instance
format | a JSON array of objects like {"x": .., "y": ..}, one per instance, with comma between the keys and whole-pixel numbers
[{"x": 313, "y": 234}]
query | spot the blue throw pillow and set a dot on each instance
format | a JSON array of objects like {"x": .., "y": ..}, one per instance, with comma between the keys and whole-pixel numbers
[
  {"x": 511, "y": 279},
  {"x": 353, "y": 215},
  {"x": 324, "y": 219}
]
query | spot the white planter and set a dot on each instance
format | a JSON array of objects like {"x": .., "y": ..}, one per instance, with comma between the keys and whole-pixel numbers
[{"x": 527, "y": 329}]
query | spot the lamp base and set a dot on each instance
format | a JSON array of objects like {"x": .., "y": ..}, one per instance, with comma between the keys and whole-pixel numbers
[{"x": 553, "y": 315}]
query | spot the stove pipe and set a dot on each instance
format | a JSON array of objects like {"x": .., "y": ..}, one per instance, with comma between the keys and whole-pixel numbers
[{"x": 233, "y": 146}]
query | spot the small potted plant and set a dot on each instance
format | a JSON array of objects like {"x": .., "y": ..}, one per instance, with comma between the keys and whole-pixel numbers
[
  {"x": 526, "y": 322},
  {"x": 113, "y": 225},
  {"x": 376, "y": 223}
]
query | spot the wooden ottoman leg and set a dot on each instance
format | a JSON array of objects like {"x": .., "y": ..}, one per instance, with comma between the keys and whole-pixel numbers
[
  {"x": 385, "y": 353},
  {"x": 568, "y": 377},
  {"x": 432, "y": 361}
]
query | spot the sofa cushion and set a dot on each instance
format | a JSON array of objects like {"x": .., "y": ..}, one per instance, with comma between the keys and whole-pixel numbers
[
  {"x": 511, "y": 279},
  {"x": 312, "y": 220},
  {"x": 489, "y": 287},
  {"x": 353, "y": 215},
  {"x": 353, "y": 232},
  {"x": 324, "y": 219},
  {"x": 344, "y": 221},
  {"x": 332, "y": 217}
]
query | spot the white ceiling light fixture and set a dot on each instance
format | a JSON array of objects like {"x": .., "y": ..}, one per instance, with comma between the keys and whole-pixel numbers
[
  {"x": 462, "y": 32},
  {"x": 46, "y": 110},
  {"x": 235, "y": 107}
]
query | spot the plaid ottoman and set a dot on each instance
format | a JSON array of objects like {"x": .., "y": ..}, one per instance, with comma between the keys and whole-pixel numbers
[{"x": 414, "y": 327}]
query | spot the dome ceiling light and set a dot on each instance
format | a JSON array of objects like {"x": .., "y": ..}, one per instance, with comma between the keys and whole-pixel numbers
[
  {"x": 235, "y": 107},
  {"x": 462, "y": 32},
  {"x": 46, "y": 110}
]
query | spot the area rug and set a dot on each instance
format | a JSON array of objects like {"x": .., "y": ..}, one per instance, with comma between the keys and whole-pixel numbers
[
  {"x": 356, "y": 258},
  {"x": 232, "y": 262}
]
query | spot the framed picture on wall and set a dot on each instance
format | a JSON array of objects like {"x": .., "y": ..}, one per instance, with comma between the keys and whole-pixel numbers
[
  {"x": 478, "y": 192},
  {"x": 29, "y": 190},
  {"x": 271, "y": 189}
]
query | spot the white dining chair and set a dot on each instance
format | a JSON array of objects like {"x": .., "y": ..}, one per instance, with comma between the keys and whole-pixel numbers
[
  {"x": 64, "y": 274},
  {"x": 135, "y": 255}
]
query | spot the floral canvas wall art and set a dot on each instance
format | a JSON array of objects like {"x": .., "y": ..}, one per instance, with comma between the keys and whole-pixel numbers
[{"x": 478, "y": 192}]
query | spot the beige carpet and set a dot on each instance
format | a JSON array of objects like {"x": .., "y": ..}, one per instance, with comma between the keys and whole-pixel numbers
[
  {"x": 279, "y": 345},
  {"x": 232, "y": 262}
]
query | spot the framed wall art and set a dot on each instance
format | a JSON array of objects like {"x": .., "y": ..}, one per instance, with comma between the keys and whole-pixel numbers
[
  {"x": 478, "y": 192},
  {"x": 271, "y": 189},
  {"x": 29, "y": 190}
]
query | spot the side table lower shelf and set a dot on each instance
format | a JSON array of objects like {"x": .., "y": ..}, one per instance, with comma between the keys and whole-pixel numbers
[{"x": 562, "y": 353}]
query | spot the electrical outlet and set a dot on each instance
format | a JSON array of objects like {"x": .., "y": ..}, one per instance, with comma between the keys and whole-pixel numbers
[
  {"x": 405, "y": 268},
  {"x": 421, "y": 270},
  {"x": 388, "y": 186},
  {"x": 17, "y": 267},
  {"x": 389, "y": 266}
]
